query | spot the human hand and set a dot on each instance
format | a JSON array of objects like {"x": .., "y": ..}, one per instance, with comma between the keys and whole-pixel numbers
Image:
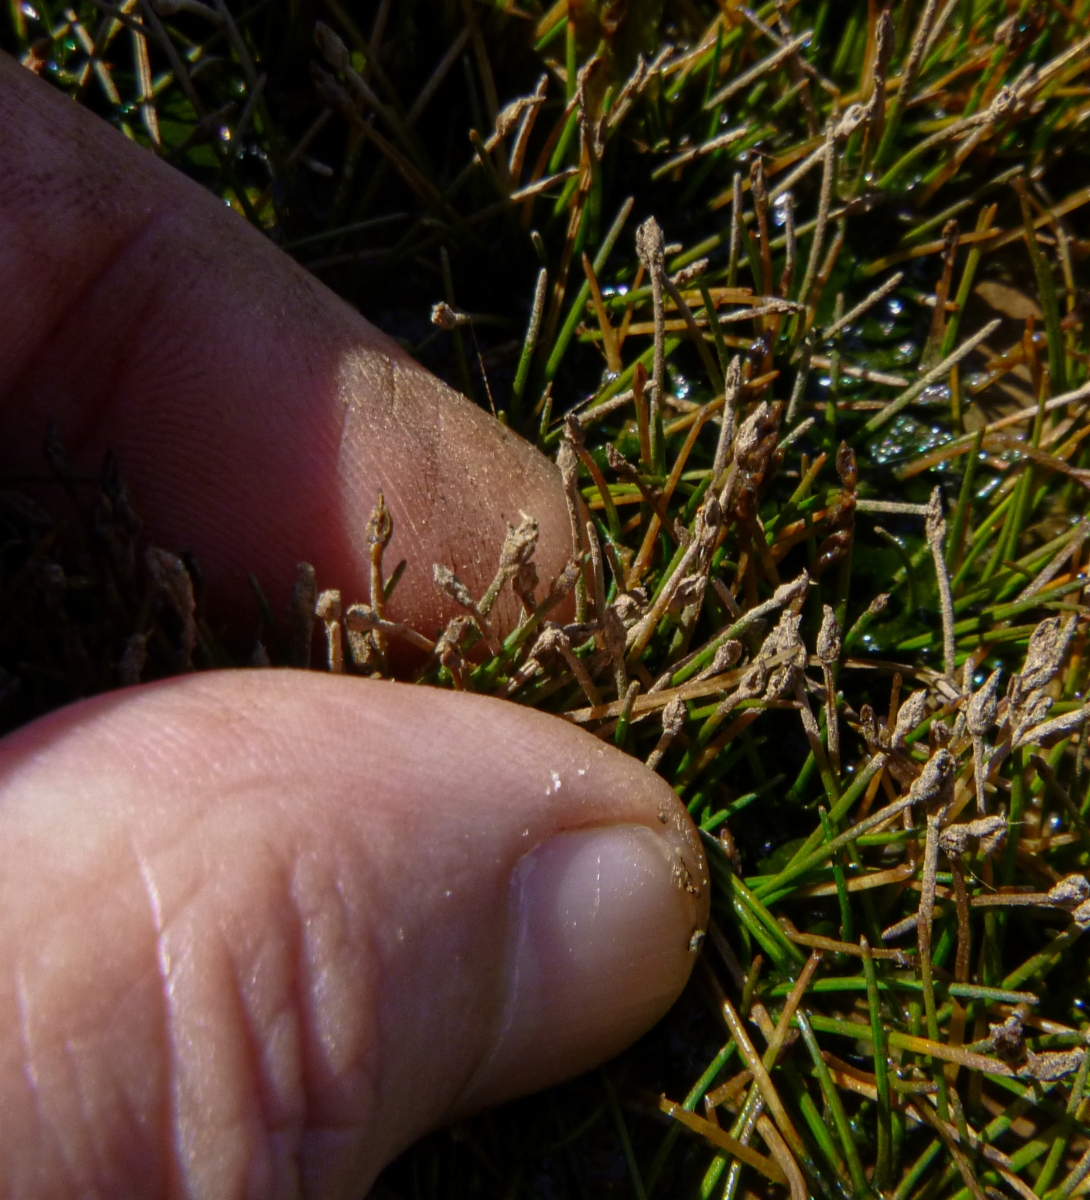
[{"x": 263, "y": 929}]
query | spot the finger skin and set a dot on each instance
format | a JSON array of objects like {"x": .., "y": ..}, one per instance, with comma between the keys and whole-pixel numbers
[
  {"x": 255, "y": 414},
  {"x": 255, "y": 926}
]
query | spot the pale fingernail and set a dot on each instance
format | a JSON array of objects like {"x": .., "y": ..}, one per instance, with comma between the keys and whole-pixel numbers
[{"x": 601, "y": 941}]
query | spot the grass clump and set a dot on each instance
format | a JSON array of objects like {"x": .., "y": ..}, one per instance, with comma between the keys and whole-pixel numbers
[{"x": 802, "y": 320}]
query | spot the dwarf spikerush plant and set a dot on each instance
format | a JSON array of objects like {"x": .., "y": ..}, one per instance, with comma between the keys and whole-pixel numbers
[{"x": 798, "y": 295}]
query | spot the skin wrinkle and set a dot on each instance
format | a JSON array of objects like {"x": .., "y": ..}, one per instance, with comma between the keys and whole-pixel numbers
[
  {"x": 280, "y": 1092},
  {"x": 166, "y": 989},
  {"x": 255, "y": 1023},
  {"x": 89, "y": 1156},
  {"x": 73, "y": 1057},
  {"x": 87, "y": 1114},
  {"x": 320, "y": 1171},
  {"x": 273, "y": 963},
  {"x": 19, "y": 351},
  {"x": 188, "y": 1147},
  {"x": 72, "y": 304},
  {"x": 162, "y": 963},
  {"x": 26, "y": 1044},
  {"x": 49, "y": 1132},
  {"x": 65, "y": 1151},
  {"x": 329, "y": 911},
  {"x": 259, "y": 1169},
  {"x": 253, "y": 1084},
  {"x": 170, "y": 964},
  {"x": 299, "y": 1003},
  {"x": 215, "y": 1109},
  {"x": 129, "y": 1117}
]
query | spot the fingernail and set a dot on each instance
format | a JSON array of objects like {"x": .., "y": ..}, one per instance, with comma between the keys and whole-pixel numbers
[{"x": 600, "y": 944}]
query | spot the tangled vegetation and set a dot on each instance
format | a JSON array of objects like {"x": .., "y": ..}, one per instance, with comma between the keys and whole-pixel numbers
[{"x": 801, "y": 317}]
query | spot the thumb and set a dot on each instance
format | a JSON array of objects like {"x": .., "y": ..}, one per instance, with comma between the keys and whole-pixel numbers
[{"x": 264, "y": 930}]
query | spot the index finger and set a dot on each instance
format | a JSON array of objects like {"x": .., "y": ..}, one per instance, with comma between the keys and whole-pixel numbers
[{"x": 256, "y": 416}]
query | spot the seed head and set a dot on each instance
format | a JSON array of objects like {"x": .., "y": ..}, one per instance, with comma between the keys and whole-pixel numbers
[
  {"x": 828, "y": 642},
  {"x": 954, "y": 839},
  {"x": 934, "y": 788},
  {"x": 519, "y": 544},
  {"x": 726, "y": 656},
  {"x": 935, "y": 524},
  {"x": 650, "y": 246},
  {"x": 1047, "y": 646},
  {"x": 445, "y": 317},
  {"x": 981, "y": 710},
  {"x": 328, "y": 606},
  {"x": 909, "y": 715},
  {"x": 1071, "y": 890},
  {"x": 380, "y": 527},
  {"x": 673, "y": 716}
]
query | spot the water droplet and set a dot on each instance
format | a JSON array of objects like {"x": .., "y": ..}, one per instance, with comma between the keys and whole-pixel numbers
[
  {"x": 906, "y": 437},
  {"x": 936, "y": 394},
  {"x": 681, "y": 385}
]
